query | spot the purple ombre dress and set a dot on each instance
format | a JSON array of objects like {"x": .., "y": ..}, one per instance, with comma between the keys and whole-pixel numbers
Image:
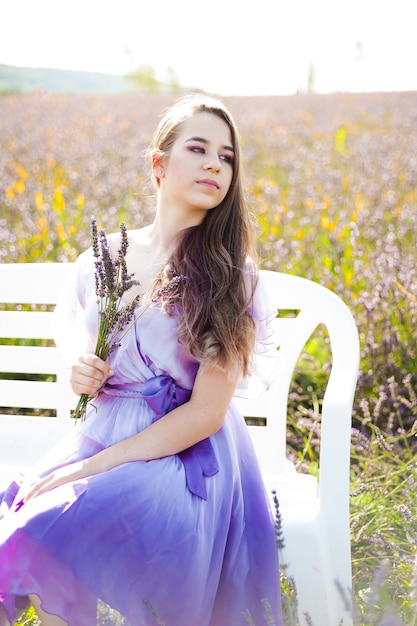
[{"x": 188, "y": 538}]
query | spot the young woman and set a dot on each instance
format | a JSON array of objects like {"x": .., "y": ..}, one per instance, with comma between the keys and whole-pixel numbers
[{"x": 155, "y": 504}]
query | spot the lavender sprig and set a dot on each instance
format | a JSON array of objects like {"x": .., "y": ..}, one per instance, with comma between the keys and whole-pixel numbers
[{"x": 112, "y": 281}]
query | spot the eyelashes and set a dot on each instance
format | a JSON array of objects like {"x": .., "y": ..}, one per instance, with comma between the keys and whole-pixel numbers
[{"x": 227, "y": 158}]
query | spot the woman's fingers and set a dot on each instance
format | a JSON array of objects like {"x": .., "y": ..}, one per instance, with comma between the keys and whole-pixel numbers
[
  {"x": 89, "y": 374},
  {"x": 58, "y": 477}
]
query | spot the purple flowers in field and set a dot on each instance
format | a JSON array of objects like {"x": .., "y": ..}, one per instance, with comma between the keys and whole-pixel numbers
[{"x": 333, "y": 184}]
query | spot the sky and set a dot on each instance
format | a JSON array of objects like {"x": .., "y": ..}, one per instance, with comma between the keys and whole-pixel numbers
[{"x": 226, "y": 47}]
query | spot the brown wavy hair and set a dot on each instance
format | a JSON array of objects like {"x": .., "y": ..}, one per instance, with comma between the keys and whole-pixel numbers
[{"x": 217, "y": 256}]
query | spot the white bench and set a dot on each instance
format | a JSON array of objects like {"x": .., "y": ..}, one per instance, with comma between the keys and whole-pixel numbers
[{"x": 315, "y": 515}]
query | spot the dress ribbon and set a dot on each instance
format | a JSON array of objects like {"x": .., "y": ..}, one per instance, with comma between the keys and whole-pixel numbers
[{"x": 163, "y": 395}]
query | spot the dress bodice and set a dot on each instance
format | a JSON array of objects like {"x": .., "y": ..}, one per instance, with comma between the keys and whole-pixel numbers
[{"x": 151, "y": 348}]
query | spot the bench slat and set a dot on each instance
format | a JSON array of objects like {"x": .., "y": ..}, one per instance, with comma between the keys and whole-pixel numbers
[
  {"x": 31, "y": 360},
  {"x": 32, "y": 282},
  {"x": 26, "y": 324},
  {"x": 14, "y": 449},
  {"x": 34, "y": 394}
]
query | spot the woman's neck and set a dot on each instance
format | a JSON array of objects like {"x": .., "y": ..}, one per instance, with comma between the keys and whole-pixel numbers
[
  {"x": 164, "y": 230},
  {"x": 173, "y": 216}
]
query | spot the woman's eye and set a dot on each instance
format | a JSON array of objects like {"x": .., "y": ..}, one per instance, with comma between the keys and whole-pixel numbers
[
  {"x": 227, "y": 158},
  {"x": 197, "y": 149}
]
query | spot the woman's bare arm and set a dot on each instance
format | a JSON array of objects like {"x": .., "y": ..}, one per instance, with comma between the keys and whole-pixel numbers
[{"x": 189, "y": 423}]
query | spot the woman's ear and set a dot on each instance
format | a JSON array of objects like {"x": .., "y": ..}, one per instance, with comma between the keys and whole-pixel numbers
[{"x": 158, "y": 167}]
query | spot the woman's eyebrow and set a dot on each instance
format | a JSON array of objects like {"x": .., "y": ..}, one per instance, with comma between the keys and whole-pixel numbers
[{"x": 202, "y": 140}]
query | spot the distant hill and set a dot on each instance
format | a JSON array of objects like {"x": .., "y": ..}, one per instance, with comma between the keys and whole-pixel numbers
[{"x": 27, "y": 80}]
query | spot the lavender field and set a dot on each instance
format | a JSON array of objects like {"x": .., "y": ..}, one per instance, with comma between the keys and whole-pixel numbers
[{"x": 333, "y": 184}]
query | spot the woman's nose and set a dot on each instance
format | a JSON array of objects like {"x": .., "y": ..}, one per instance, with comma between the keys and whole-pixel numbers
[{"x": 213, "y": 164}]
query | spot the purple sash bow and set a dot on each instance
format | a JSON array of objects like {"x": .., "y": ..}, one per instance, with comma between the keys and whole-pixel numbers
[{"x": 162, "y": 394}]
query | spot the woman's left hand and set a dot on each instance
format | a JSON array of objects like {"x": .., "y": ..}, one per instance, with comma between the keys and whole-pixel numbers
[{"x": 60, "y": 476}]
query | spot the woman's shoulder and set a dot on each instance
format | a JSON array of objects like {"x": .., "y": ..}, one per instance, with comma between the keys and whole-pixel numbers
[{"x": 137, "y": 237}]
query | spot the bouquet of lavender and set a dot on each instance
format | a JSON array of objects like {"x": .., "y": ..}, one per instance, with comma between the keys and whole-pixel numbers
[{"x": 115, "y": 317}]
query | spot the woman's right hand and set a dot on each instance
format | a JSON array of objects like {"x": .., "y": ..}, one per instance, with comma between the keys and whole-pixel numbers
[{"x": 89, "y": 374}]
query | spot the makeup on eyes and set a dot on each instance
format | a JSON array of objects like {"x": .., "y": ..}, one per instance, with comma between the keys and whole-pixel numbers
[{"x": 228, "y": 157}]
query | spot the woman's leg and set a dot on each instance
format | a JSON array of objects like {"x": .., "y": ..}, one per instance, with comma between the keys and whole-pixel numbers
[{"x": 46, "y": 618}]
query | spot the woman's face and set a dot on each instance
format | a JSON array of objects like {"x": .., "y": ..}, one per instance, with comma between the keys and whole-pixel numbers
[{"x": 197, "y": 172}]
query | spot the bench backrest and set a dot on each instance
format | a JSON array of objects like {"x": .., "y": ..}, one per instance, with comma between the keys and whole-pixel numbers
[
  {"x": 35, "y": 396},
  {"x": 34, "y": 380}
]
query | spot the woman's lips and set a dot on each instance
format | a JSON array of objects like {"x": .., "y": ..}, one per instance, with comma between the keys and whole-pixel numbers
[{"x": 208, "y": 182}]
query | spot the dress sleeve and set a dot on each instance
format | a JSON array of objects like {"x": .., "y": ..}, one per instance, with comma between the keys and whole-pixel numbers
[
  {"x": 69, "y": 320},
  {"x": 265, "y": 364}
]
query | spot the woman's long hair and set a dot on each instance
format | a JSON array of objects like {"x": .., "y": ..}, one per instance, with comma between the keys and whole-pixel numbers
[{"x": 214, "y": 322}]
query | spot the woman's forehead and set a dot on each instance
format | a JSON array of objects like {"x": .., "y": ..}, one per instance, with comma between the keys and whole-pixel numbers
[{"x": 207, "y": 126}]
